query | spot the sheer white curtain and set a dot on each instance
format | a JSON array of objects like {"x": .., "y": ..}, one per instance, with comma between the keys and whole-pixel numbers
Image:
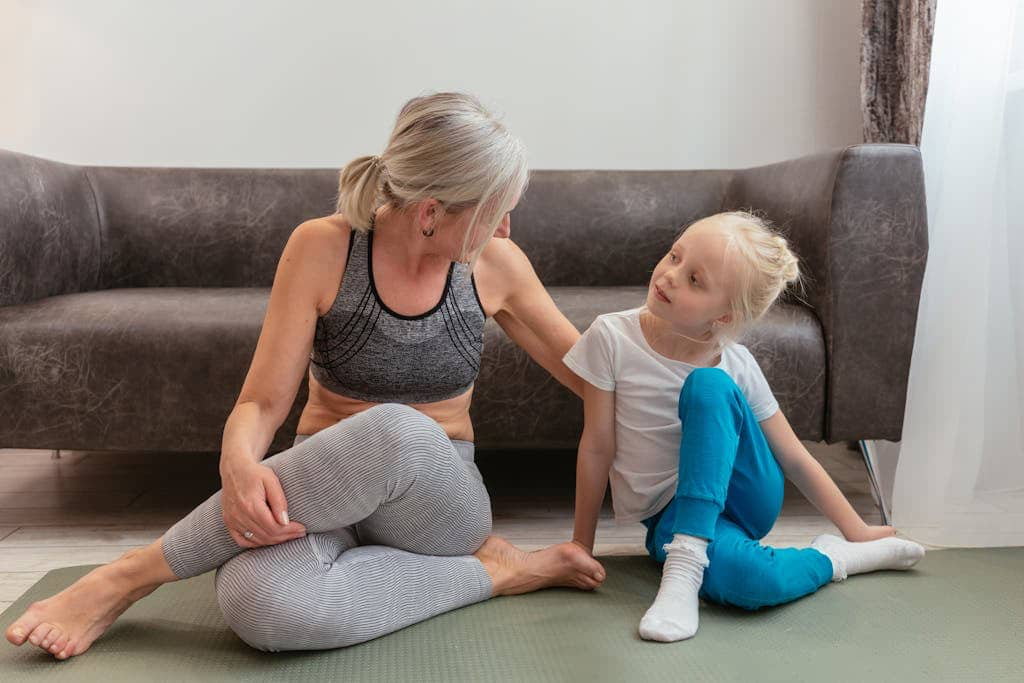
[{"x": 960, "y": 475}]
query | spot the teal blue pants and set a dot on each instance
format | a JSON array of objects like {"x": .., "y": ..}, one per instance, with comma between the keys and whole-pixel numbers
[{"x": 730, "y": 492}]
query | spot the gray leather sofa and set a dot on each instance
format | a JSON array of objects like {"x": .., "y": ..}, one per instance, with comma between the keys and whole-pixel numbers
[{"x": 131, "y": 298}]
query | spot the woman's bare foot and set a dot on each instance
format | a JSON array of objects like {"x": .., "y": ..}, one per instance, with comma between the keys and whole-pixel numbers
[
  {"x": 68, "y": 623},
  {"x": 514, "y": 571}
]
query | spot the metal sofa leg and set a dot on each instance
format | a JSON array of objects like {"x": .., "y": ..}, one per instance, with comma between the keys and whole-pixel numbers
[{"x": 876, "y": 489}]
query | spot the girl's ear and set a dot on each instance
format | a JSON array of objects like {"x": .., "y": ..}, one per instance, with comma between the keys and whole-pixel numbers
[{"x": 725, "y": 319}]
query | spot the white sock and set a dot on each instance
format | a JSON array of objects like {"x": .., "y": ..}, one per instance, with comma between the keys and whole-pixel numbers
[
  {"x": 673, "y": 616},
  {"x": 850, "y": 558}
]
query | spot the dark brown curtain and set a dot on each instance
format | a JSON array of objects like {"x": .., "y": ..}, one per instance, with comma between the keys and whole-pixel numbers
[{"x": 896, "y": 48}]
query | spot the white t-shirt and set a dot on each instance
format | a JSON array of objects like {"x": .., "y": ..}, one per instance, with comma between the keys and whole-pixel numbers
[{"x": 614, "y": 355}]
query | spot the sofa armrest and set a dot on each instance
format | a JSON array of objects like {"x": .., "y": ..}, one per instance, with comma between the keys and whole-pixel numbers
[
  {"x": 50, "y": 238},
  {"x": 858, "y": 222}
]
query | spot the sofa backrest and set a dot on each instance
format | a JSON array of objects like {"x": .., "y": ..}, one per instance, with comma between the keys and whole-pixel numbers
[
  {"x": 609, "y": 228},
  {"x": 50, "y": 241},
  {"x": 227, "y": 228},
  {"x": 86, "y": 228},
  {"x": 181, "y": 227}
]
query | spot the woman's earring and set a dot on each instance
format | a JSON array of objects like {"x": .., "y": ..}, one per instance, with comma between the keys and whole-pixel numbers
[{"x": 428, "y": 233}]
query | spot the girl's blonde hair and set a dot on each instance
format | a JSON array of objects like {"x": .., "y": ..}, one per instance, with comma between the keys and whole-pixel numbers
[
  {"x": 445, "y": 146},
  {"x": 764, "y": 267}
]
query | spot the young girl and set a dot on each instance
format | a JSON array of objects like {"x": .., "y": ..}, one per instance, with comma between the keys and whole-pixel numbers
[{"x": 682, "y": 421}]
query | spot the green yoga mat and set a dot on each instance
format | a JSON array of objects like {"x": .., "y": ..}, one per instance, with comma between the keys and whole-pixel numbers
[{"x": 959, "y": 615}]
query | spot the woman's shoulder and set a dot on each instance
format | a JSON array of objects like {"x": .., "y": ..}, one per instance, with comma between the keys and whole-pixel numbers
[
  {"x": 501, "y": 268},
  {"x": 320, "y": 245},
  {"x": 325, "y": 232},
  {"x": 502, "y": 256}
]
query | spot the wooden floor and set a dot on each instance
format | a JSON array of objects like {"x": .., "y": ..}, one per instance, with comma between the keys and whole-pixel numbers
[{"x": 89, "y": 507}]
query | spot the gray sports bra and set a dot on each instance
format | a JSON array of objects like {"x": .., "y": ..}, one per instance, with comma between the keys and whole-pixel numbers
[{"x": 364, "y": 350}]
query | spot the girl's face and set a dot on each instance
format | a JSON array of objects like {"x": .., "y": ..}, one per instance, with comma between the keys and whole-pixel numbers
[{"x": 690, "y": 285}]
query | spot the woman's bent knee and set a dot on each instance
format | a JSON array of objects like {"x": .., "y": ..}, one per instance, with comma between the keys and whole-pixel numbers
[
  {"x": 257, "y": 602},
  {"x": 400, "y": 419},
  {"x": 238, "y": 606},
  {"x": 397, "y": 428},
  {"x": 475, "y": 531},
  {"x": 273, "y": 599}
]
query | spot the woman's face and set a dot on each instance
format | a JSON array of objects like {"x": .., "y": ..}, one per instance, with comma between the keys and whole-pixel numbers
[
  {"x": 479, "y": 236},
  {"x": 456, "y": 226},
  {"x": 690, "y": 285}
]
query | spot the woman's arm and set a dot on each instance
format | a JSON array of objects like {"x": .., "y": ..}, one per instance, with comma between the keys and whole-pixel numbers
[
  {"x": 526, "y": 311},
  {"x": 593, "y": 461},
  {"x": 814, "y": 482},
  {"x": 253, "y": 499},
  {"x": 286, "y": 338}
]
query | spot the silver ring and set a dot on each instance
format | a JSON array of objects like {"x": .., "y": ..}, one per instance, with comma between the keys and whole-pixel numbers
[{"x": 248, "y": 534}]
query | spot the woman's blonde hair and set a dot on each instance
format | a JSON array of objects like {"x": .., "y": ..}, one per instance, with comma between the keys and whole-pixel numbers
[
  {"x": 445, "y": 146},
  {"x": 764, "y": 267}
]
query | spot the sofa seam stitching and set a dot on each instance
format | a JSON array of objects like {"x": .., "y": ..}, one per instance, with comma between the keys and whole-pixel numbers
[
  {"x": 830, "y": 331},
  {"x": 99, "y": 230}
]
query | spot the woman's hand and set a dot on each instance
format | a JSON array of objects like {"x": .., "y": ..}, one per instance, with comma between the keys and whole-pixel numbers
[
  {"x": 867, "y": 532},
  {"x": 253, "y": 500}
]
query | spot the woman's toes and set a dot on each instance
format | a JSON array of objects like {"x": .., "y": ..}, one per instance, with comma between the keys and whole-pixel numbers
[
  {"x": 39, "y": 633},
  {"x": 59, "y": 644},
  {"x": 18, "y": 632},
  {"x": 53, "y": 640}
]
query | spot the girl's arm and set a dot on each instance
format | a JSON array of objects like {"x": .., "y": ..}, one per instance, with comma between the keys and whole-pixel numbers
[
  {"x": 810, "y": 477},
  {"x": 593, "y": 461}
]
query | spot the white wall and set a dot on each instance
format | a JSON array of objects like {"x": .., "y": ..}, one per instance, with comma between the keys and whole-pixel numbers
[{"x": 586, "y": 84}]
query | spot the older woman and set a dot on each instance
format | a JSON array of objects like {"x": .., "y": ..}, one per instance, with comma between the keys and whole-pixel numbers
[{"x": 377, "y": 517}]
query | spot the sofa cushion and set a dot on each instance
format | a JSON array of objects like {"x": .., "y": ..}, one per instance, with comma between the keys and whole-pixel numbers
[
  {"x": 516, "y": 401},
  {"x": 118, "y": 369}
]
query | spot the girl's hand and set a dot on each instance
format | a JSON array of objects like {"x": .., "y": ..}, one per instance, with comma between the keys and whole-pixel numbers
[
  {"x": 593, "y": 577},
  {"x": 253, "y": 500},
  {"x": 590, "y": 551},
  {"x": 870, "y": 533}
]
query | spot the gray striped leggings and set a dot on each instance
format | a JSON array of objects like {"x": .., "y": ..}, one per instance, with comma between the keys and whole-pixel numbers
[{"x": 393, "y": 510}]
